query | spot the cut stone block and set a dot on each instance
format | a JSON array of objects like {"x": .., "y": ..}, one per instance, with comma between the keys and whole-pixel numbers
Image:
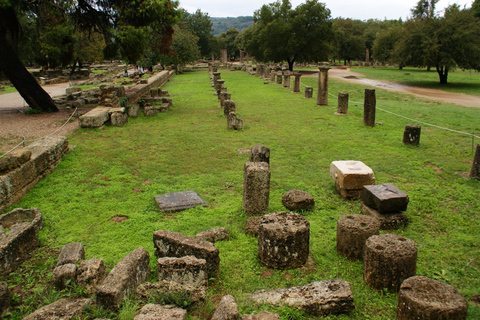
[
  {"x": 251, "y": 225},
  {"x": 214, "y": 235},
  {"x": 298, "y": 200},
  {"x": 386, "y": 198},
  {"x": 63, "y": 309},
  {"x": 175, "y": 244},
  {"x": 283, "y": 240},
  {"x": 227, "y": 309},
  {"x": 185, "y": 270},
  {"x": 159, "y": 312},
  {"x": 352, "y": 232},
  {"x": 388, "y": 260},
  {"x": 150, "y": 111},
  {"x": 427, "y": 299},
  {"x": 118, "y": 119},
  {"x": 71, "y": 253},
  {"x": 260, "y": 153},
  {"x": 256, "y": 188},
  {"x": 164, "y": 107},
  {"x": 264, "y": 315},
  {"x": 62, "y": 274},
  {"x": 390, "y": 221},
  {"x": 95, "y": 118},
  {"x": 178, "y": 201},
  {"x": 91, "y": 272},
  {"x": 194, "y": 294},
  {"x": 318, "y": 298},
  {"x": 411, "y": 135},
  {"x": 351, "y": 175},
  {"x": 124, "y": 278},
  {"x": 133, "y": 111}
]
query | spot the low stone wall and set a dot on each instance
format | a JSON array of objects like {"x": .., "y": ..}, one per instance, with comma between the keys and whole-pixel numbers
[
  {"x": 157, "y": 80},
  {"x": 46, "y": 154}
]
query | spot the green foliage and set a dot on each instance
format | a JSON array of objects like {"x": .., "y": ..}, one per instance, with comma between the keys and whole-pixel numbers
[
  {"x": 228, "y": 40},
  {"x": 201, "y": 25},
  {"x": 184, "y": 47},
  {"x": 350, "y": 40},
  {"x": 220, "y": 25}
]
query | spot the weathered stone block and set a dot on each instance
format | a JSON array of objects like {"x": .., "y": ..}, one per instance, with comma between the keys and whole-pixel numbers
[
  {"x": 91, "y": 272},
  {"x": 177, "y": 201},
  {"x": 260, "y": 153},
  {"x": 283, "y": 240},
  {"x": 165, "y": 107},
  {"x": 118, "y": 119},
  {"x": 228, "y": 106},
  {"x": 318, "y": 298},
  {"x": 175, "y": 244},
  {"x": 351, "y": 175},
  {"x": 150, "y": 111},
  {"x": 411, "y": 135},
  {"x": 124, "y": 278},
  {"x": 95, "y": 118},
  {"x": 256, "y": 188},
  {"x": 234, "y": 123},
  {"x": 264, "y": 315},
  {"x": 213, "y": 235},
  {"x": 133, "y": 111},
  {"x": 352, "y": 232},
  {"x": 298, "y": 200},
  {"x": 63, "y": 309},
  {"x": 386, "y": 198},
  {"x": 62, "y": 274},
  {"x": 159, "y": 312},
  {"x": 388, "y": 260},
  {"x": 193, "y": 294},
  {"x": 251, "y": 225},
  {"x": 427, "y": 299},
  {"x": 389, "y": 221},
  {"x": 227, "y": 309},
  {"x": 71, "y": 253},
  {"x": 186, "y": 270}
]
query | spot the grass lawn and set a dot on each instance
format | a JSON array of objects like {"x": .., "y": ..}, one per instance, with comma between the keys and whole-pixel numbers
[
  {"x": 117, "y": 172},
  {"x": 460, "y": 81}
]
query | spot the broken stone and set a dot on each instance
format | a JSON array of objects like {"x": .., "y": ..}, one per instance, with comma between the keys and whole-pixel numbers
[
  {"x": 260, "y": 153},
  {"x": 95, "y": 118},
  {"x": 318, "y": 298},
  {"x": 308, "y": 92},
  {"x": 118, "y": 119},
  {"x": 168, "y": 289},
  {"x": 252, "y": 225},
  {"x": 150, "y": 111},
  {"x": 71, "y": 253},
  {"x": 351, "y": 175},
  {"x": 234, "y": 123},
  {"x": 63, "y": 274},
  {"x": 411, "y": 135},
  {"x": 228, "y": 106},
  {"x": 227, "y": 309},
  {"x": 23, "y": 155},
  {"x": 91, "y": 272},
  {"x": 386, "y": 198},
  {"x": 63, "y": 309},
  {"x": 159, "y": 312},
  {"x": 132, "y": 270},
  {"x": 390, "y": 221},
  {"x": 175, "y": 244},
  {"x": 264, "y": 315},
  {"x": 298, "y": 200},
  {"x": 256, "y": 188},
  {"x": 133, "y": 111},
  {"x": 214, "y": 235},
  {"x": 352, "y": 232},
  {"x": 186, "y": 270},
  {"x": 178, "y": 201}
]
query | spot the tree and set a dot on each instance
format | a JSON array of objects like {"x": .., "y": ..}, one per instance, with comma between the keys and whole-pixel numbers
[
  {"x": 444, "y": 42},
  {"x": 184, "y": 46},
  {"x": 349, "y": 36},
  {"x": 229, "y": 40},
  {"x": 200, "y": 25},
  {"x": 424, "y": 9},
  {"x": 384, "y": 44},
  {"x": 282, "y": 34}
]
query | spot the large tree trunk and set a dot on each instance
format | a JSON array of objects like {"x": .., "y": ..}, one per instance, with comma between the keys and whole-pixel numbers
[
  {"x": 443, "y": 74},
  {"x": 14, "y": 69},
  {"x": 290, "y": 64}
]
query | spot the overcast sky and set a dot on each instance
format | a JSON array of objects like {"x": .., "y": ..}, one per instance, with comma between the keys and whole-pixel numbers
[{"x": 355, "y": 9}]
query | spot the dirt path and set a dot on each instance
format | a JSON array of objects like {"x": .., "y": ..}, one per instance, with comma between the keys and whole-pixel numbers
[{"x": 460, "y": 99}]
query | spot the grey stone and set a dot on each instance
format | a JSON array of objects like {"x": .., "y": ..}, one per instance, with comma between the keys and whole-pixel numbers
[
  {"x": 71, "y": 253},
  {"x": 178, "y": 201},
  {"x": 72, "y": 90},
  {"x": 171, "y": 288},
  {"x": 5, "y": 297},
  {"x": 95, "y": 118},
  {"x": 63, "y": 309},
  {"x": 264, "y": 315},
  {"x": 120, "y": 91},
  {"x": 165, "y": 107},
  {"x": 64, "y": 273},
  {"x": 389, "y": 221},
  {"x": 256, "y": 188},
  {"x": 228, "y": 106},
  {"x": 214, "y": 235},
  {"x": 318, "y": 298},
  {"x": 124, "y": 278},
  {"x": 386, "y": 198},
  {"x": 227, "y": 309},
  {"x": 159, "y": 312},
  {"x": 175, "y": 244},
  {"x": 133, "y": 111},
  {"x": 186, "y": 270},
  {"x": 78, "y": 103},
  {"x": 298, "y": 200},
  {"x": 260, "y": 153},
  {"x": 22, "y": 154},
  {"x": 234, "y": 123},
  {"x": 252, "y": 224},
  {"x": 352, "y": 232},
  {"x": 150, "y": 111},
  {"x": 118, "y": 119},
  {"x": 91, "y": 272}
]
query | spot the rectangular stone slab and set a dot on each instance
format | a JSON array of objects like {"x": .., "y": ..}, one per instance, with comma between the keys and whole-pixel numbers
[
  {"x": 351, "y": 174},
  {"x": 386, "y": 198},
  {"x": 178, "y": 201}
]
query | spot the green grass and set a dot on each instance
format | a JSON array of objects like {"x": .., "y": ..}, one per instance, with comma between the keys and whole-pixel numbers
[
  {"x": 460, "y": 81},
  {"x": 8, "y": 89},
  {"x": 117, "y": 172}
]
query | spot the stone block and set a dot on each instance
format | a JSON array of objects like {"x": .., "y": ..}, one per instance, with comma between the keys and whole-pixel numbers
[
  {"x": 228, "y": 106},
  {"x": 63, "y": 309},
  {"x": 260, "y": 153},
  {"x": 133, "y": 111},
  {"x": 72, "y": 90},
  {"x": 388, "y": 260},
  {"x": 64, "y": 273},
  {"x": 186, "y": 270},
  {"x": 386, "y": 198},
  {"x": 171, "y": 288},
  {"x": 351, "y": 175},
  {"x": 175, "y": 244},
  {"x": 213, "y": 235},
  {"x": 234, "y": 123},
  {"x": 411, "y": 135},
  {"x": 227, "y": 309},
  {"x": 298, "y": 200},
  {"x": 264, "y": 315},
  {"x": 118, "y": 119},
  {"x": 256, "y": 188},
  {"x": 5, "y": 297},
  {"x": 318, "y": 298},
  {"x": 159, "y": 312},
  {"x": 71, "y": 253},
  {"x": 120, "y": 90},
  {"x": 352, "y": 232},
  {"x": 95, "y": 118},
  {"x": 132, "y": 270},
  {"x": 150, "y": 111},
  {"x": 165, "y": 107},
  {"x": 91, "y": 272},
  {"x": 389, "y": 221},
  {"x": 427, "y": 299},
  {"x": 283, "y": 240},
  {"x": 177, "y": 201}
]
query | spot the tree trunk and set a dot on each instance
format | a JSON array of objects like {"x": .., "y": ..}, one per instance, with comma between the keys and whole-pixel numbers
[
  {"x": 290, "y": 64},
  {"x": 443, "y": 74},
  {"x": 14, "y": 69}
]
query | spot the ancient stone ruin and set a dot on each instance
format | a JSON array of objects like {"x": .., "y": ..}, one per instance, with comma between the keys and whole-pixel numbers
[
  {"x": 411, "y": 135},
  {"x": 353, "y": 230},
  {"x": 256, "y": 188},
  {"x": 298, "y": 200},
  {"x": 350, "y": 177}
]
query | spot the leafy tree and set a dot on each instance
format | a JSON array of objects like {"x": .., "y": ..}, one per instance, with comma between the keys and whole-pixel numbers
[
  {"x": 228, "y": 40},
  {"x": 424, "y": 9},
  {"x": 281, "y": 33},
  {"x": 444, "y": 42},
  {"x": 200, "y": 24},
  {"x": 476, "y": 8},
  {"x": 384, "y": 44},
  {"x": 184, "y": 47},
  {"x": 350, "y": 39}
]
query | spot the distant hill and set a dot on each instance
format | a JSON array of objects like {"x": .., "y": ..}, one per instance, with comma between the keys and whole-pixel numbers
[{"x": 223, "y": 24}]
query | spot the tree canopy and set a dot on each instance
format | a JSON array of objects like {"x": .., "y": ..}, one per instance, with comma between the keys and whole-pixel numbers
[{"x": 281, "y": 33}]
